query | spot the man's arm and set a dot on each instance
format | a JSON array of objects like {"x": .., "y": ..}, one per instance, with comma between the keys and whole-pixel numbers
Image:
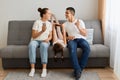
[
  {"x": 82, "y": 30},
  {"x": 66, "y": 35}
]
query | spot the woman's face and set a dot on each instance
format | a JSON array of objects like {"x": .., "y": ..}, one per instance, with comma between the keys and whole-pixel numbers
[{"x": 47, "y": 15}]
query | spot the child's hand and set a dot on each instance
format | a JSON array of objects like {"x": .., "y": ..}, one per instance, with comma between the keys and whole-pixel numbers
[{"x": 57, "y": 24}]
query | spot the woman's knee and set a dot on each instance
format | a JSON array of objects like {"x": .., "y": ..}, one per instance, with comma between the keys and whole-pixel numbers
[
  {"x": 44, "y": 44},
  {"x": 33, "y": 44}
]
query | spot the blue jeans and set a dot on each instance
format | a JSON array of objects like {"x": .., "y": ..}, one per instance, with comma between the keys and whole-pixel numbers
[
  {"x": 72, "y": 46},
  {"x": 33, "y": 45}
]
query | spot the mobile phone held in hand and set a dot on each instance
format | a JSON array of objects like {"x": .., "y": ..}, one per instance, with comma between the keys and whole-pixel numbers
[
  {"x": 44, "y": 24},
  {"x": 44, "y": 27}
]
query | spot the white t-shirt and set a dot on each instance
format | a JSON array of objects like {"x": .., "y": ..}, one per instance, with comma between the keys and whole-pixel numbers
[
  {"x": 38, "y": 26},
  {"x": 72, "y": 29}
]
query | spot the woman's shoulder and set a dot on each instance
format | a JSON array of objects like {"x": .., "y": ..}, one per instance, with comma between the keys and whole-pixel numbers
[
  {"x": 49, "y": 22},
  {"x": 38, "y": 21}
]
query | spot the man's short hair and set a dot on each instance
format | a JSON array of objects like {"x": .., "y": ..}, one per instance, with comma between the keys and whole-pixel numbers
[{"x": 71, "y": 9}]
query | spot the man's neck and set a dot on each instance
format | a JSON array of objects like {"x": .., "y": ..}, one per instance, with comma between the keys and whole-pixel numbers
[{"x": 72, "y": 19}]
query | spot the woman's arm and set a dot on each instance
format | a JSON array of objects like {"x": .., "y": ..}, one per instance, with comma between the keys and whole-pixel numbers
[
  {"x": 35, "y": 33},
  {"x": 49, "y": 38}
]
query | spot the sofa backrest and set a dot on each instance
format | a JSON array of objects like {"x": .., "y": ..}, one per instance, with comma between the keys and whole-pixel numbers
[
  {"x": 97, "y": 26},
  {"x": 19, "y": 32}
]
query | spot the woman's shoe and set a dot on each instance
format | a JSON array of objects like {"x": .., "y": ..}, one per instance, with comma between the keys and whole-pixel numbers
[{"x": 44, "y": 73}]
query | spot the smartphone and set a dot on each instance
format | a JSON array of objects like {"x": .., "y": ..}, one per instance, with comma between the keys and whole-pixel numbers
[{"x": 44, "y": 24}]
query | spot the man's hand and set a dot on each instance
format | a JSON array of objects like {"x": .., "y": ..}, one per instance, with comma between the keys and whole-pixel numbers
[
  {"x": 82, "y": 30},
  {"x": 70, "y": 37},
  {"x": 77, "y": 23}
]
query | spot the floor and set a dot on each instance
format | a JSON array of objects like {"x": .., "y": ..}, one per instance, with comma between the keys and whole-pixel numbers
[{"x": 104, "y": 73}]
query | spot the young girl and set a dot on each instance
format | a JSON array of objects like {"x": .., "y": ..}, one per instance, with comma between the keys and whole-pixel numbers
[{"x": 59, "y": 37}]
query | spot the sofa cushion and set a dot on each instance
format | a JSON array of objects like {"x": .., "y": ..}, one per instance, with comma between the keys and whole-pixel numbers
[
  {"x": 96, "y": 25},
  {"x": 89, "y": 37},
  {"x": 99, "y": 50},
  {"x": 21, "y": 51},
  {"x": 19, "y": 32},
  {"x": 14, "y": 51}
]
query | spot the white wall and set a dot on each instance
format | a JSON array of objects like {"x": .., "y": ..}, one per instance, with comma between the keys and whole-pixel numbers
[{"x": 27, "y": 10}]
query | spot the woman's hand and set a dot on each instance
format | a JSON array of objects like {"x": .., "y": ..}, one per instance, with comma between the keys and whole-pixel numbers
[
  {"x": 46, "y": 40},
  {"x": 44, "y": 27}
]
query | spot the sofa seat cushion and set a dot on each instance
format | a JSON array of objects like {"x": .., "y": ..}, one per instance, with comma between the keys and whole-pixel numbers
[
  {"x": 21, "y": 51},
  {"x": 99, "y": 50},
  {"x": 14, "y": 51}
]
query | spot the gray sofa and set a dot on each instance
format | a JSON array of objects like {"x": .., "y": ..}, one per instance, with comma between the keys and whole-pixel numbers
[{"x": 15, "y": 54}]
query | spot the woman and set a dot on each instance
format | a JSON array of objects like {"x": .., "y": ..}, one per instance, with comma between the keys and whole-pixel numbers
[
  {"x": 59, "y": 37},
  {"x": 41, "y": 35}
]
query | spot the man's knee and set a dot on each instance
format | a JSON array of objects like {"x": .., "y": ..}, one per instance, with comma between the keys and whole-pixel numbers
[
  {"x": 86, "y": 46},
  {"x": 72, "y": 46},
  {"x": 70, "y": 43}
]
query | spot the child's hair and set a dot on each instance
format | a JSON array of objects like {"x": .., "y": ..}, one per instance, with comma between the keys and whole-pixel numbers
[
  {"x": 42, "y": 11},
  {"x": 58, "y": 48}
]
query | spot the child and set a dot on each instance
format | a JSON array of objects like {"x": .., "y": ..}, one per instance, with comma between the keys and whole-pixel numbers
[{"x": 59, "y": 37}]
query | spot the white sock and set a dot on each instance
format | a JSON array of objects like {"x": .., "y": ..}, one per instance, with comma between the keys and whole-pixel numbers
[
  {"x": 32, "y": 72},
  {"x": 44, "y": 73}
]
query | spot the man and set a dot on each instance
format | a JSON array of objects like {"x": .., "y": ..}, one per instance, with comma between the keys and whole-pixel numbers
[{"x": 75, "y": 28}]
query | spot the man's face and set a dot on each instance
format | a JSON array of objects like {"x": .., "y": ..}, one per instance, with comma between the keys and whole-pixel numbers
[{"x": 68, "y": 14}]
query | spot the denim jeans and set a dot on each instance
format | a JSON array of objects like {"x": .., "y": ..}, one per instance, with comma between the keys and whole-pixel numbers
[
  {"x": 78, "y": 65},
  {"x": 33, "y": 45}
]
